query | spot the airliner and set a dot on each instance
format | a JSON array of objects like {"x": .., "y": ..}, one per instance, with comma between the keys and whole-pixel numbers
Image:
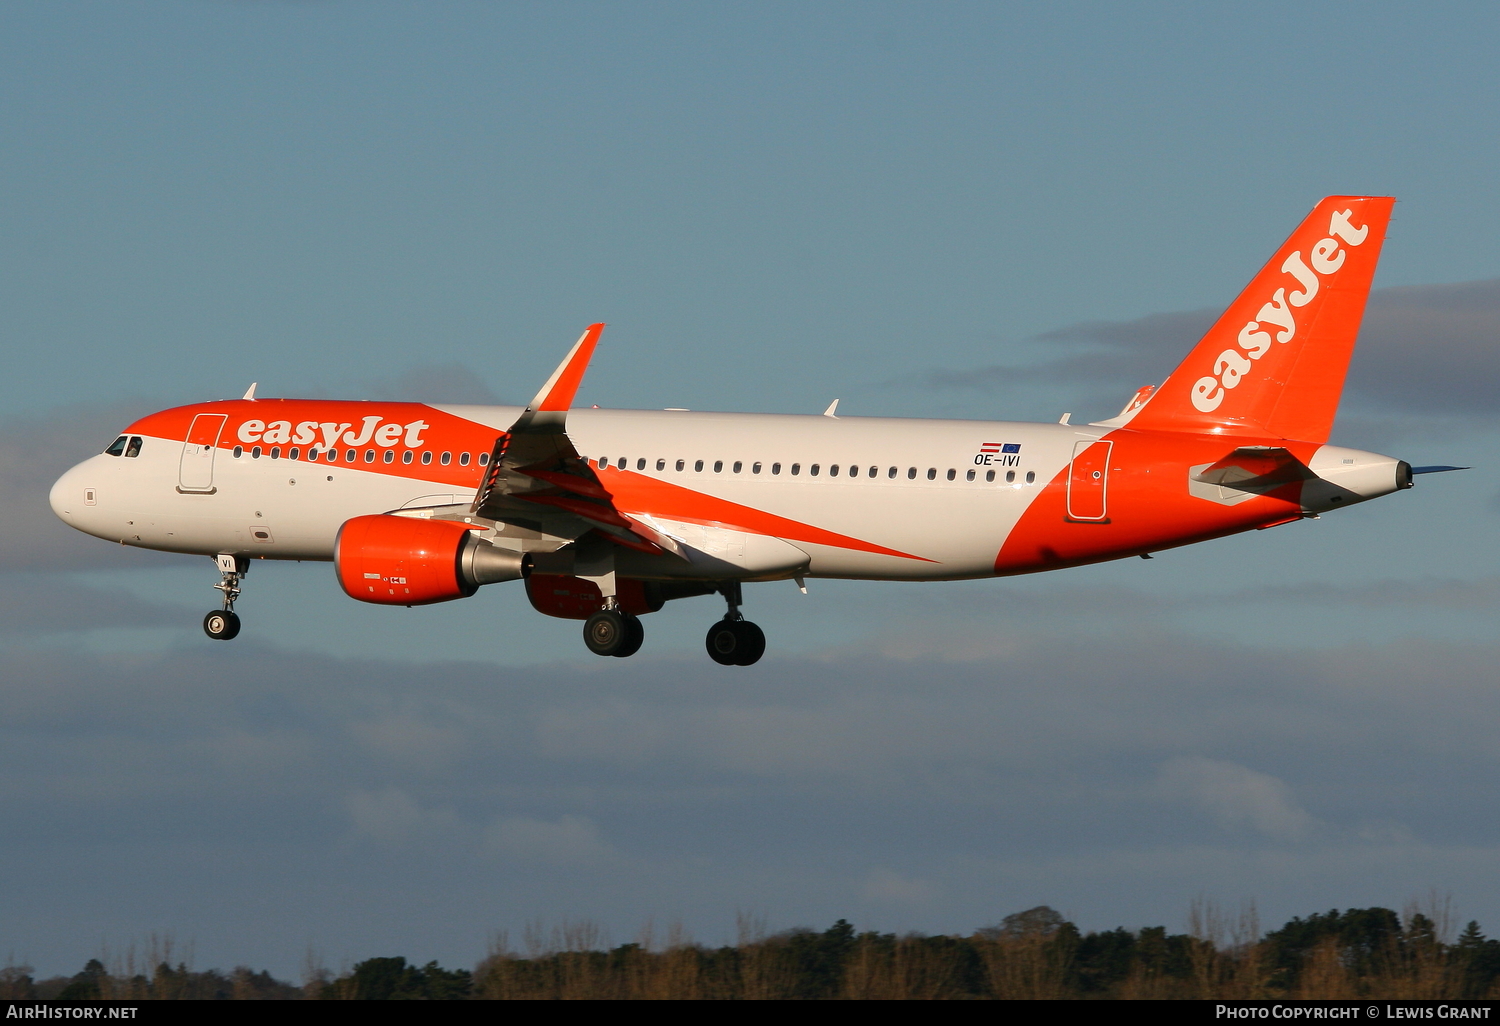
[{"x": 606, "y": 515}]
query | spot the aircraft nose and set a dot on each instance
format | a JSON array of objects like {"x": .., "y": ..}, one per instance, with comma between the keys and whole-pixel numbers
[{"x": 67, "y": 495}]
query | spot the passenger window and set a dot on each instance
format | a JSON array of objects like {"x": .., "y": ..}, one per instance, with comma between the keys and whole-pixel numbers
[
  {"x": 463, "y": 459},
  {"x": 969, "y": 476},
  {"x": 239, "y": 450},
  {"x": 390, "y": 455},
  {"x": 407, "y": 456},
  {"x": 718, "y": 466},
  {"x": 776, "y": 469},
  {"x": 255, "y": 452},
  {"x": 989, "y": 475},
  {"x": 134, "y": 448},
  {"x": 891, "y": 473},
  {"x": 640, "y": 464},
  {"x": 833, "y": 471},
  {"x": 911, "y": 473},
  {"x": 681, "y": 464},
  {"x": 117, "y": 447},
  {"x": 602, "y": 462},
  {"x": 369, "y": 455},
  {"x": 813, "y": 470},
  {"x": 738, "y": 466},
  {"x": 446, "y": 458},
  {"x": 275, "y": 452},
  {"x": 426, "y": 458},
  {"x": 296, "y": 452},
  {"x": 661, "y": 464},
  {"x": 484, "y": 458},
  {"x": 1030, "y": 477},
  {"x": 1010, "y": 477},
  {"x": 796, "y": 469},
  {"x": 951, "y": 474},
  {"x": 698, "y": 466},
  {"x": 351, "y": 456},
  {"x": 931, "y": 473},
  {"x": 755, "y": 468},
  {"x": 874, "y": 471}
]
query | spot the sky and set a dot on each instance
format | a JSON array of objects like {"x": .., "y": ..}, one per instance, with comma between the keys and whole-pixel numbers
[{"x": 973, "y": 210}]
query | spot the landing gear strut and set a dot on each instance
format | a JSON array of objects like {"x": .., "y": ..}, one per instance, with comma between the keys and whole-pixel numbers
[
  {"x": 734, "y": 641},
  {"x": 223, "y": 624}
]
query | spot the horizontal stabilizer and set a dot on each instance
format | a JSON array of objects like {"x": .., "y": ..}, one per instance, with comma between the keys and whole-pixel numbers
[
  {"x": 1436, "y": 470},
  {"x": 1256, "y": 468}
]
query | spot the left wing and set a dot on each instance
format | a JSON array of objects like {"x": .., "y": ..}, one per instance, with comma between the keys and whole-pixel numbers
[{"x": 536, "y": 478}]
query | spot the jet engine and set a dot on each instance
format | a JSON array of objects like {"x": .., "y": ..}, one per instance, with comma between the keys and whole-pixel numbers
[{"x": 406, "y": 561}]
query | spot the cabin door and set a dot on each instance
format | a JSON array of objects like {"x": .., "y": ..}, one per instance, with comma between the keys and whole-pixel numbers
[
  {"x": 1088, "y": 481},
  {"x": 196, "y": 471}
]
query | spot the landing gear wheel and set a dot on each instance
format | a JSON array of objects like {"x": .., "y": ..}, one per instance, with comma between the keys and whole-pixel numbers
[
  {"x": 605, "y": 633},
  {"x": 221, "y": 624},
  {"x": 752, "y": 644},
  {"x": 722, "y": 641},
  {"x": 735, "y": 643},
  {"x": 635, "y": 636}
]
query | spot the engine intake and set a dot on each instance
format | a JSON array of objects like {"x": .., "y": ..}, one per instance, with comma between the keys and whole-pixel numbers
[{"x": 405, "y": 561}]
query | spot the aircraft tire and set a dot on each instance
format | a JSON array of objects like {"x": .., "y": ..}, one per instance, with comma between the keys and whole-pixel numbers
[
  {"x": 752, "y": 644},
  {"x": 605, "y": 633},
  {"x": 734, "y": 642},
  {"x": 221, "y": 624},
  {"x": 635, "y": 636},
  {"x": 722, "y": 641}
]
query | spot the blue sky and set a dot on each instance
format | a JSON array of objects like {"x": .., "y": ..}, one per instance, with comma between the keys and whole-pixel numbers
[{"x": 921, "y": 209}]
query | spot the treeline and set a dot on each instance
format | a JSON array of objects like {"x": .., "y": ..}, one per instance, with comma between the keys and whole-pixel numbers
[{"x": 1358, "y": 953}]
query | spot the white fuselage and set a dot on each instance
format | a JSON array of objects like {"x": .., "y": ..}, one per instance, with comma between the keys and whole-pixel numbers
[{"x": 292, "y": 509}]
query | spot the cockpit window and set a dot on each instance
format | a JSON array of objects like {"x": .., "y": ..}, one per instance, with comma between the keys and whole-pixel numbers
[
  {"x": 134, "y": 448},
  {"x": 117, "y": 447}
]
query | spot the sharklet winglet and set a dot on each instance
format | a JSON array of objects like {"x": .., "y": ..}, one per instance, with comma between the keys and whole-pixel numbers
[{"x": 556, "y": 396}]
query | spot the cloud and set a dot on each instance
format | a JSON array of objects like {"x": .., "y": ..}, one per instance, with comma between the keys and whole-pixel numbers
[
  {"x": 564, "y": 840},
  {"x": 33, "y": 605},
  {"x": 1424, "y": 349},
  {"x": 434, "y": 383},
  {"x": 1235, "y": 795},
  {"x": 290, "y": 795},
  {"x": 885, "y": 885},
  {"x": 390, "y": 815}
]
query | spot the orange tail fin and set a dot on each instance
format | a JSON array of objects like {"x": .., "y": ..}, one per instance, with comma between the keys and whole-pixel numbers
[{"x": 1274, "y": 363}]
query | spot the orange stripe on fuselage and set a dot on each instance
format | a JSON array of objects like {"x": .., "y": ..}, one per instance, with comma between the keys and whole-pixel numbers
[
  {"x": 444, "y": 433},
  {"x": 640, "y": 494}
]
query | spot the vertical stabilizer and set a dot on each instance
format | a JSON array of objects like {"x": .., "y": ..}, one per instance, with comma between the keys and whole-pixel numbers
[{"x": 1274, "y": 363}]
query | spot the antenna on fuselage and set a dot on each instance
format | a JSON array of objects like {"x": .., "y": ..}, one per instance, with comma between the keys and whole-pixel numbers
[{"x": 250, "y": 392}]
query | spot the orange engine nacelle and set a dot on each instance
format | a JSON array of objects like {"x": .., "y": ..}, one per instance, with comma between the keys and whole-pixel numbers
[
  {"x": 571, "y": 598},
  {"x": 404, "y": 561}
]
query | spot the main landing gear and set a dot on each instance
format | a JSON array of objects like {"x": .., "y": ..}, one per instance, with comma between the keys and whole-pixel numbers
[
  {"x": 223, "y": 624},
  {"x": 613, "y": 632},
  {"x": 734, "y": 641}
]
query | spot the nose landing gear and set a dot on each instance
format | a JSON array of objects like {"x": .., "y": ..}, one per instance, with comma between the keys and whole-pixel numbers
[
  {"x": 223, "y": 624},
  {"x": 734, "y": 641}
]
